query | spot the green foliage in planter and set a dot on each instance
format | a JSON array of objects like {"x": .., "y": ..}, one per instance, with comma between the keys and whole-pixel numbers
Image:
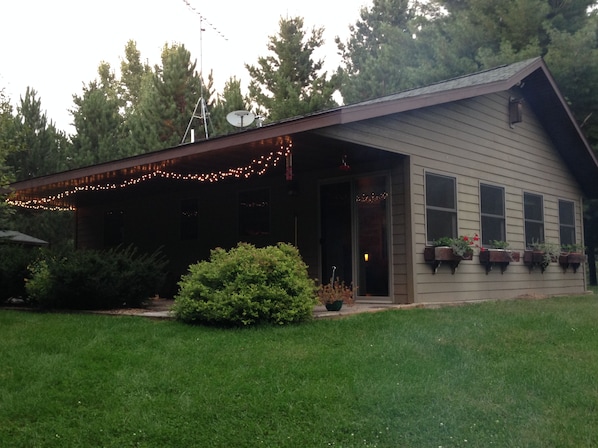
[
  {"x": 550, "y": 251},
  {"x": 498, "y": 244},
  {"x": 573, "y": 248},
  {"x": 88, "y": 279},
  {"x": 462, "y": 246},
  {"x": 247, "y": 286},
  {"x": 13, "y": 269}
]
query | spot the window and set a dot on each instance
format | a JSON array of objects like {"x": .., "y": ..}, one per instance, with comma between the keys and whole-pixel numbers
[
  {"x": 189, "y": 219},
  {"x": 441, "y": 207},
  {"x": 534, "y": 218},
  {"x": 114, "y": 228},
  {"x": 567, "y": 222},
  {"x": 254, "y": 212},
  {"x": 492, "y": 210}
]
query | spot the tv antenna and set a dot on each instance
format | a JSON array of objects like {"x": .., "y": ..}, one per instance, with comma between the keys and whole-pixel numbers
[{"x": 201, "y": 109}]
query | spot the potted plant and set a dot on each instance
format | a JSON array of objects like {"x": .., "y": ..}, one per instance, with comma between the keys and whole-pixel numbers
[
  {"x": 336, "y": 293},
  {"x": 498, "y": 253},
  {"x": 572, "y": 255},
  {"x": 541, "y": 254},
  {"x": 451, "y": 251}
]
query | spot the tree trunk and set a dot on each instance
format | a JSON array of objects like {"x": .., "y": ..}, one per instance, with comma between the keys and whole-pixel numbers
[{"x": 592, "y": 265}]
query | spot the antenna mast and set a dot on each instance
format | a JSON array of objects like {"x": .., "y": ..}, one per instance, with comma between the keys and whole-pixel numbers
[
  {"x": 201, "y": 105},
  {"x": 201, "y": 102}
]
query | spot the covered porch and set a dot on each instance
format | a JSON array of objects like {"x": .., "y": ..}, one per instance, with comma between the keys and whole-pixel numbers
[{"x": 341, "y": 204}]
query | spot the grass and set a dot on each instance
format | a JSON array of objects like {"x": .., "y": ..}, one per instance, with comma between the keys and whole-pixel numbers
[{"x": 505, "y": 374}]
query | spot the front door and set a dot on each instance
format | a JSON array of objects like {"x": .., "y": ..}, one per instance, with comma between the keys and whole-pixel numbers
[
  {"x": 355, "y": 234},
  {"x": 336, "y": 235}
]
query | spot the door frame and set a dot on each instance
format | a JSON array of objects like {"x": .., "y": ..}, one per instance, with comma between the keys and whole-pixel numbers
[{"x": 355, "y": 255}]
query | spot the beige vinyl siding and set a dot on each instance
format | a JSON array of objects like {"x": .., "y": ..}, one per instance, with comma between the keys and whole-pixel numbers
[
  {"x": 400, "y": 257},
  {"x": 472, "y": 141}
]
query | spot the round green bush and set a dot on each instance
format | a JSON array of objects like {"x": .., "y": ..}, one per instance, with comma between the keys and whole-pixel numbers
[{"x": 246, "y": 286}]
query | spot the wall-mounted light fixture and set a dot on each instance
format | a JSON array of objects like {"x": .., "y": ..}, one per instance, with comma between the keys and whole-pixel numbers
[
  {"x": 515, "y": 111},
  {"x": 366, "y": 257}
]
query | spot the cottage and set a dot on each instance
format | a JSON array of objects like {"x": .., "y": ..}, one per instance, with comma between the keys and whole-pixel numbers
[{"x": 365, "y": 188}]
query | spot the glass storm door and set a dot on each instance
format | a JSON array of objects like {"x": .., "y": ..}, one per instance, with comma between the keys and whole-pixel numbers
[
  {"x": 371, "y": 207},
  {"x": 354, "y": 234}
]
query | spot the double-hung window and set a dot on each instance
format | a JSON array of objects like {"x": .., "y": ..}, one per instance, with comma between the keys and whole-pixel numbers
[
  {"x": 533, "y": 208},
  {"x": 492, "y": 210},
  {"x": 567, "y": 222},
  {"x": 441, "y": 207}
]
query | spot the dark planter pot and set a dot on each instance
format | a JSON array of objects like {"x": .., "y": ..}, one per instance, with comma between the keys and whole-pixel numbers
[
  {"x": 500, "y": 257},
  {"x": 535, "y": 258},
  {"x": 334, "y": 306},
  {"x": 444, "y": 254},
  {"x": 572, "y": 260}
]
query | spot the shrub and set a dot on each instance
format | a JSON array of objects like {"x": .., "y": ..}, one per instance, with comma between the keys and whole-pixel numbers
[
  {"x": 246, "y": 286},
  {"x": 13, "y": 270},
  {"x": 88, "y": 279}
]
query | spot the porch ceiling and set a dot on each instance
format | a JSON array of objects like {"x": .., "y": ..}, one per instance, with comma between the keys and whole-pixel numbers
[{"x": 221, "y": 164}]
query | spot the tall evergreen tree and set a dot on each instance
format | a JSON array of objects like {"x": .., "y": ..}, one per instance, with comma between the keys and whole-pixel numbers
[
  {"x": 32, "y": 146},
  {"x": 289, "y": 82},
  {"x": 7, "y": 135},
  {"x": 40, "y": 148},
  {"x": 167, "y": 101},
  {"x": 230, "y": 100},
  {"x": 98, "y": 121},
  {"x": 388, "y": 50},
  {"x": 133, "y": 72},
  {"x": 573, "y": 59}
]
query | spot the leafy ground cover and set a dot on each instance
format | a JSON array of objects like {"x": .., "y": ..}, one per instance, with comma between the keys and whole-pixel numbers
[{"x": 505, "y": 374}]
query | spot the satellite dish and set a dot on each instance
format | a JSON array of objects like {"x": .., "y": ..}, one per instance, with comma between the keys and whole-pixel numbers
[{"x": 240, "y": 118}]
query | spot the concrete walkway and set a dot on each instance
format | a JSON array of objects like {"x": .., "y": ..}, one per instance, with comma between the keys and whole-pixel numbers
[{"x": 160, "y": 309}]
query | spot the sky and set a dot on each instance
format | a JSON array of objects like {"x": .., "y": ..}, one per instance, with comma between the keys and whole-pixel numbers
[{"x": 55, "y": 46}]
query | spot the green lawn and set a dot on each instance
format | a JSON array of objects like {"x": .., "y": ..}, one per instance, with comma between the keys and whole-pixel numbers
[{"x": 505, "y": 374}]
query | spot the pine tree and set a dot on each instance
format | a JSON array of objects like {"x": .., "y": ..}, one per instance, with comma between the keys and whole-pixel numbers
[
  {"x": 289, "y": 82},
  {"x": 166, "y": 102},
  {"x": 230, "y": 100},
  {"x": 98, "y": 121},
  {"x": 388, "y": 50},
  {"x": 39, "y": 148},
  {"x": 7, "y": 134}
]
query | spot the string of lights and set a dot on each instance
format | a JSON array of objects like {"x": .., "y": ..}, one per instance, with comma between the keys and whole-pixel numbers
[
  {"x": 257, "y": 167},
  {"x": 371, "y": 198}
]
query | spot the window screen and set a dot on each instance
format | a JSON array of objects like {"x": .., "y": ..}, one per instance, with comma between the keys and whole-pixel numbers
[
  {"x": 441, "y": 207},
  {"x": 534, "y": 218},
  {"x": 492, "y": 209},
  {"x": 567, "y": 222}
]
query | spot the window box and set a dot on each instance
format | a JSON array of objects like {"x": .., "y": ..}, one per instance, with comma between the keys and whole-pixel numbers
[
  {"x": 444, "y": 254},
  {"x": 500, "y": 257},
  {"x": 537, "y": 258},
  {"x": 572, "y": 260}
]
